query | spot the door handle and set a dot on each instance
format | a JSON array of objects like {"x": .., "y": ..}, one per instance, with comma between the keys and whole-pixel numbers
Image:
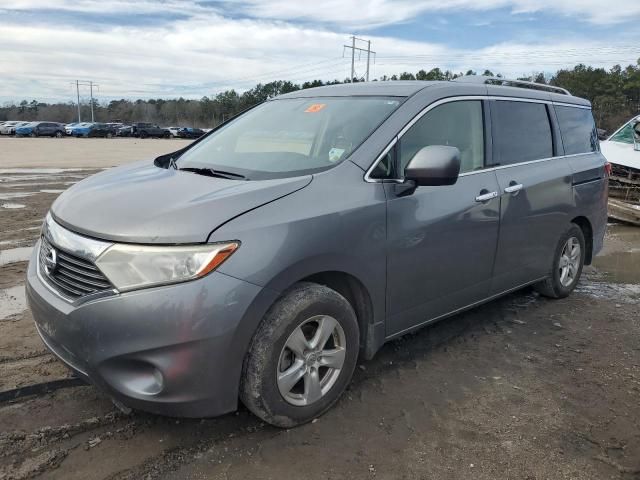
[
  {"x": 484, "y": 197},
  {"x": 514, "y": 188}
]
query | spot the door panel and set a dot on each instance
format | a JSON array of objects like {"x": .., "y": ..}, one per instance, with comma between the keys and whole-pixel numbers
[
  {"x": 535, "y": 192},
  {"x": 531, "y": 221},
  {"x": 441, "y": 249}
]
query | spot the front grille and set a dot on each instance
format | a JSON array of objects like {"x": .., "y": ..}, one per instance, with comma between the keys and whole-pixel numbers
[{"x": 72, "y": 276}]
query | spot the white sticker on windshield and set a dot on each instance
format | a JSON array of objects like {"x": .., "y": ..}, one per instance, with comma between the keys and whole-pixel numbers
[{"x": 335, "y": 154}]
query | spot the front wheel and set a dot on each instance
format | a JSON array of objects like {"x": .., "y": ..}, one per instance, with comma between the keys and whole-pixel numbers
[
  {"x": 33, "y": 134},
  {"x": 567, "y": 265},
  {"x": 302, "y": 356},
  {"x": 59, "y": 134}
]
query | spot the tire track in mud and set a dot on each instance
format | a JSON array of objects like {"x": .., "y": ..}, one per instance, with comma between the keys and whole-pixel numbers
[{"x": 247, "y": 430}]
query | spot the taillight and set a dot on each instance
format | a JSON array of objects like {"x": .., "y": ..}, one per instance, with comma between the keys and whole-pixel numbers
[{"x": 607, "y": 169}]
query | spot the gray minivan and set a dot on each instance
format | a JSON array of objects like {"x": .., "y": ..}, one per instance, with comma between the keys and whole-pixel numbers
[{"x": 261, "y": 261}]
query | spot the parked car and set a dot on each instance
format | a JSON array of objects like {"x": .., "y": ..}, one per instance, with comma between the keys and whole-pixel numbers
[
  {"x": 190, "y": 133},
  {"x": 76, "y": 126},
  {"x": 622, "y": 150},
  {"x": 261, "y": 262},
  {"x": 623, "y": 147},
  {"x": 145, "y": 130},
  {"x": 68, "y": 128},
  {"x": 9, "y": 128},
  {"x": 94, "y": 130},
  {"x": 174, "y": 131},
  {"x": 125, "y": 131},
  {"x": 41, "y": 129}
]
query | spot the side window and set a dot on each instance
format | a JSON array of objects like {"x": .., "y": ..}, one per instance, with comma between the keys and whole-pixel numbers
[
  {"x": 624, "y": 135},
  {"x": 458, "y": 124},
  {"x": 579, "y": 134},
  {"x": 521, "y": 132}
]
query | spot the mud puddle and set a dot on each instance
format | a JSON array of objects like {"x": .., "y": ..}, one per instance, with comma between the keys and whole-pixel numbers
[
  {"x": 12, "y": 301},
  {"x": 623, "y": 264}
]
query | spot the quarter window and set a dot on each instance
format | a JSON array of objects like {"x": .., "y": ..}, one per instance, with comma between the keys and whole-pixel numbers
[
  {"x": 521, "y": 132},
  {"x": 457, "y": 124},
  {"x": 578, "y": 130}
]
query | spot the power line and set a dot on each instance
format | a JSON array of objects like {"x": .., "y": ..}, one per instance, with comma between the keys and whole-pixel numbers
[
  {"x": 353, "y": 49},
  {"x": 90, "y": 84}
]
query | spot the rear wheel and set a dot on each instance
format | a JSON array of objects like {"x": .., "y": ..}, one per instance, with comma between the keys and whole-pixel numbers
[
  {"x": 302, "y": 356},
  {"x": 33, "y": 134},
  {"x": 567, "y": 265},
  {"x": 109, "y": 135},
  {"x": 143, "y": 135}
]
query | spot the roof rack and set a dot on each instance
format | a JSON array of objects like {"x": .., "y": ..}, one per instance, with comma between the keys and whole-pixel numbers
[{"x": 505, "y": 82}]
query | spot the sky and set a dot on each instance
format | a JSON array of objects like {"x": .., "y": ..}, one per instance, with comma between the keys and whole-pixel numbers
[{"x": 191, "y": 48}]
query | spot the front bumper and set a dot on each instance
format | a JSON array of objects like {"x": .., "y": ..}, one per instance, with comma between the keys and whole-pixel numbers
[{"x": 174, "y": 350}]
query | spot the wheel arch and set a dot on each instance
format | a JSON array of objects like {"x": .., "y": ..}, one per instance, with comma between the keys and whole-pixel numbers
[
  {"x": 587, "y": 230},
  {"x": 356, "y": 293}
]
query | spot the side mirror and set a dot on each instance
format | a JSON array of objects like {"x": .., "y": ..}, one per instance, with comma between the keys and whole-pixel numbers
[
  {"x": 602, "y": 134},
  {"x": 434, "y": 165},
  {"x": 636, "y": 136}
]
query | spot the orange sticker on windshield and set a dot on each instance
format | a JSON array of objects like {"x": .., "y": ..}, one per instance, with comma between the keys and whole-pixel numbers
[{"x": 316, "y": 107}]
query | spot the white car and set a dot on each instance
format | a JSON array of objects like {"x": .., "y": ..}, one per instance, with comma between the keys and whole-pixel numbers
[
  {"x": 68, "y": 128},
  {"x": 622, "y": 150},
  {"x": 174, "y": 131},
  {"x": 7, "y": 128},
  {"x": 623, "y": 147}
]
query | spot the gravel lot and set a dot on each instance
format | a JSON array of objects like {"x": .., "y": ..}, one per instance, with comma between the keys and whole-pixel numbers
[
  {"x": 81, "y": 152},
  {"x": 521, "y": 388}
]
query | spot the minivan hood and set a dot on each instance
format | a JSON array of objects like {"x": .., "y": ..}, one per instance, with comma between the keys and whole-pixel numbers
[{"x": 142, "y": 203}]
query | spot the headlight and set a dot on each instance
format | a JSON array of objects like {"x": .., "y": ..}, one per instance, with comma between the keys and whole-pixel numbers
[{"x": 135, "y": 266}]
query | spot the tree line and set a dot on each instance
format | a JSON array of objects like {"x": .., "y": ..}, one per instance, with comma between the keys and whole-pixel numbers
[{"x": 614, "y": 93}]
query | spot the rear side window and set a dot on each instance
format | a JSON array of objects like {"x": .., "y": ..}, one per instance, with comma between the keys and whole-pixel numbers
[
  {"x": 578, "y": 130},
  {"x": 521, "y": 132}
]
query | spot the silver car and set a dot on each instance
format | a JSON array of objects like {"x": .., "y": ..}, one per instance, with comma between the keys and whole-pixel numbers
[{"x": 262, "y": 260}]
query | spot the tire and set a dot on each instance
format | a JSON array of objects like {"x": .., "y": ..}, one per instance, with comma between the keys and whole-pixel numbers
[
  {"x": 310, "y": 306},
  {"x": 564, "y": 279},
  {"x": 109, "y": 135},
  {"x": 143, "y": 135},
  {"x": 166, "y": 135},
  {"x": 59, "y": 134},
  {"x": 33, "y": 134}
]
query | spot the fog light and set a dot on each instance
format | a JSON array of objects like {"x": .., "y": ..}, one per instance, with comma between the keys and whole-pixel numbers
[{"x": 134, "y": 377}]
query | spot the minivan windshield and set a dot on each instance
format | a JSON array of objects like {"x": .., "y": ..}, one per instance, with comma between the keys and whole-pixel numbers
[{"x": 289, "y": 137}]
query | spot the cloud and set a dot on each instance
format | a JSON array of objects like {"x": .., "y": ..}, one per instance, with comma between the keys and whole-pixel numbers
[
  {"x": 364, "y": 14},
  {"x": 215, "y": 48}
]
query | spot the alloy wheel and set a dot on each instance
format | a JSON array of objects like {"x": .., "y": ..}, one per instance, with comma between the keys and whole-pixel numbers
[
  {"x": 569, "y": 264},
  {"x": 311, "y": 360}
]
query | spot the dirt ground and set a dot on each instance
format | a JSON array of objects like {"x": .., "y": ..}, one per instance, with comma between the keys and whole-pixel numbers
[
  {"x": 81, "y": 152},
  {"x": 521, "y": 388}
]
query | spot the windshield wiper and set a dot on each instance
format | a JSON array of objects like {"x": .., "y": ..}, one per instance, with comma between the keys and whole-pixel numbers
[{"x": 210, "y": 172}]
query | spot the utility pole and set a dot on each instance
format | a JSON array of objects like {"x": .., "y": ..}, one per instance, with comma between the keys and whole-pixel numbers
[
  {"x": 90, "y": 84},
  {"x": 353, "y": 55},
  {"x": 78, "y": 93},
  {"x": 353, "y": 58},
  {"x": 91, "y": 90},
  {"x": 368, "y": 57}
]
